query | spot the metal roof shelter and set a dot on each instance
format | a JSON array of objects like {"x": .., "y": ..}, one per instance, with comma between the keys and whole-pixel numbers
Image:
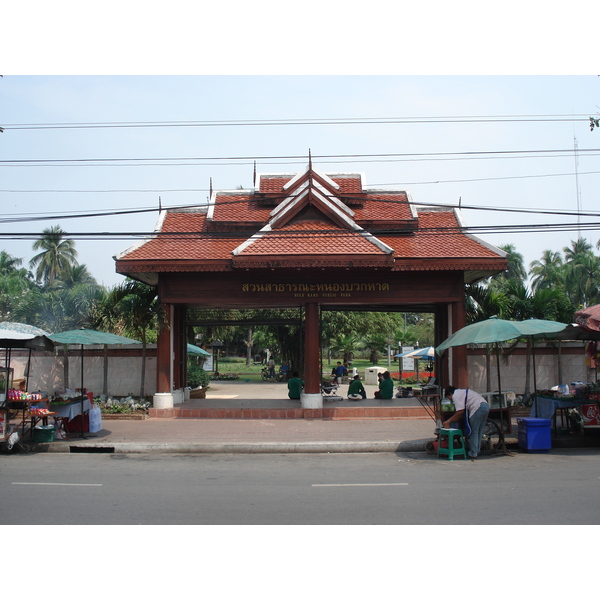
[{"x": 314, "y": 241}]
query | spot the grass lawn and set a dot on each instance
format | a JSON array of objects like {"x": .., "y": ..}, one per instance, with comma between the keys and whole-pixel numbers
[{"x": 237, "y": 366}]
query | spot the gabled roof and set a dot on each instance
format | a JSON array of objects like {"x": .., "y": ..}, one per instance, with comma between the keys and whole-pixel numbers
[{"x": 306, "y": 220}]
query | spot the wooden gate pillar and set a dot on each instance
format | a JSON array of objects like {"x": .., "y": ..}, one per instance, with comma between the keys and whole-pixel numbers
[
  {"x": 164, "y": 383},
  {"x": 460, "y": 369},
  {"x": 311, "y": 396}
]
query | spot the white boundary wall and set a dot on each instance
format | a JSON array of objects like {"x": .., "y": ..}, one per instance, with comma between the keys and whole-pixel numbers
[{"x": 124, "y": 371}]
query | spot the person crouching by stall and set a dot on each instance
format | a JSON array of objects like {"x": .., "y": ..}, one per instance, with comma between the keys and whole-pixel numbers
[{"x": 477, "y": 410}]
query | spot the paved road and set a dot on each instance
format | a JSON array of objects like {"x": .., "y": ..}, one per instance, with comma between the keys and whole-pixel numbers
[{"x": 379, "y": 489}]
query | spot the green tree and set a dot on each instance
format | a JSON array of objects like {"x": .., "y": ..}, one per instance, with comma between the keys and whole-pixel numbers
[
  {"x": 516, "y": 268},
  {"x": 548, "y": 272},
  {"x": 15, "y": 284},
  {"x": 59, "y": 310},
  {"x": 134, "y": 309},
  {"x": 73, "y": 275},
  {"x": 582, "y": 273},
  {"x": 56, "y": 254}
]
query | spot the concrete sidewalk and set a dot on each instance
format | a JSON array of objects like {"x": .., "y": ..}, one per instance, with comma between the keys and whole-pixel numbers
[
  {"x": 277, "y": 436},
  {"x": 269, "y": 435},
  {"x": 251, "y": 436}
]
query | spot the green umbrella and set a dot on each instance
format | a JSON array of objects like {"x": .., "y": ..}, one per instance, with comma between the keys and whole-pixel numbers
[
  {"x": 494, "y": 330},
  {"x": 191, "y": 349},
  {"x": 88, "y": 337},
  {"x": 491, "y": 331}
]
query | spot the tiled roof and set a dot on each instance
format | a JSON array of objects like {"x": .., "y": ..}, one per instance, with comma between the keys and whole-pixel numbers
[
  {"x": 309, "y": 238},
  {"x": 438, "y": 236},
  {"x": 384, "y": 207},
  {"x": 273, "y": 184},
  {"x": 240, "y": 208},
  {"x": 198, "y": 244},
  {"x": 246, "y": 228}
]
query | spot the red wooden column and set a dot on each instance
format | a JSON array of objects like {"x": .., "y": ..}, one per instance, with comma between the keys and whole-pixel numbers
[
  {"x": 311, "y": 396},
  {"x": 459, "y": 371},
  {"x": 163, "y": 358},
  {"x": 178, "y": 353}
]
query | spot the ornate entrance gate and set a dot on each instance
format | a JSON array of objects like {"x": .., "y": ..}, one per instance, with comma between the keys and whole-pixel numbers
[{"x": 306, "y": 241}]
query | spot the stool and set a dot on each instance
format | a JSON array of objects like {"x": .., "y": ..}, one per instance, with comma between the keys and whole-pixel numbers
[{"x": 450, "y": 435}]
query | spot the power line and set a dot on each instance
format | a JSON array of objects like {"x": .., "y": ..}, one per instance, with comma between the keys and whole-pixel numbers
[
  {"x": 28, "y": 217},
  {"x": 197, "y": 190},
  {"x": 483, "y": 229},
  {"x": 295, "y": 122},
  {"x": 464, "y": 154}
]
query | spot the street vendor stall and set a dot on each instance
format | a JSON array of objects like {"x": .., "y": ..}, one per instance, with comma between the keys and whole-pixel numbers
[
  {"x": 557, "y": 404},
  {"x": 15, "y": 403}
]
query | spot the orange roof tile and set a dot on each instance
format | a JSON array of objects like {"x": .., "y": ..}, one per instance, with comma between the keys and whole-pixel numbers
[
  {"x": 311, "y": 224},
  {"x": 309, "y": 238}
]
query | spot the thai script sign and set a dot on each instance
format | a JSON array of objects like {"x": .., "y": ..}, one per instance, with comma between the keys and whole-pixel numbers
[{"x": 325, "y": 290}]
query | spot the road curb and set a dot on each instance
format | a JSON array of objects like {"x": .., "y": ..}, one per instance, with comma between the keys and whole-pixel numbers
[{"x": 237, "y": 447}]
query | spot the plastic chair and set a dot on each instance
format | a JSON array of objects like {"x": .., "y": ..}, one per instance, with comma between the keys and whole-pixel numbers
[{"x": 449, "y": 436}]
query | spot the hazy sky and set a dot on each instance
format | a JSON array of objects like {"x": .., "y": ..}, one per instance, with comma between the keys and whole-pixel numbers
[{"x": 509, "y": 145}]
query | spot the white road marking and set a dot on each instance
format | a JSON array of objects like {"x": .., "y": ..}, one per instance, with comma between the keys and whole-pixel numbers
[
  {"x": 75, "y": 484},
  {"x": 354, "y": 484}
]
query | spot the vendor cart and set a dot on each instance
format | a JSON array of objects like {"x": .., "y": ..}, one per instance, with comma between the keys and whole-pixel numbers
[
  {"x": 14, "y": 405},
  {"x": 492, "y": 441}
]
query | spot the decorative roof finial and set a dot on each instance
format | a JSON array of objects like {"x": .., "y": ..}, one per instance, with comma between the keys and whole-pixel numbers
[
  {"x": 210, "y": 191},
  {"x": 309, "y": 160},
  {"x": 254, "y": 177}
]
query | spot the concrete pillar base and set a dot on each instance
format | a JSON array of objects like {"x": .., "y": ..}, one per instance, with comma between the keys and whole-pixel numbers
[
  {"x": 311, "y": 400},
  {"x": 163, "y": 400},
  {"x": 178, "y": 396}
]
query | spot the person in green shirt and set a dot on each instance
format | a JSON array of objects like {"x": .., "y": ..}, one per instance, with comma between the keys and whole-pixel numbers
[
  {"x": 386, "y": 387},
  {"x": 356, "y": 389},
  {"x": 294, "y": 386}
]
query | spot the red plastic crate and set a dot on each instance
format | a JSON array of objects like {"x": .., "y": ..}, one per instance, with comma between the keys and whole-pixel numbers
[{"x": 74, "y": 425}]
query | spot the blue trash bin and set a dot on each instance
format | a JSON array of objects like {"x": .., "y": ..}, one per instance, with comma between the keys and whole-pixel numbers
[{"x": 534, "y": 434}]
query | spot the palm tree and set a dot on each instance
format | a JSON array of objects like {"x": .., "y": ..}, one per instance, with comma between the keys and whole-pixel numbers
[
  {"x": 57, "y": 253},
  {"x": 8, "y": 263},
  {"x": 73, "y": 275},
  {"x": 15, "y": 284},
  {"x": 548, "y": 272},
  {"x": 344, "y": 345},
  {"x": 481, "y": 303},
  {"x": 577, "y": 248},
  {"x": 582, "y": 273},
  {"x": 133, "y": 308},
  {"x": 516, "y": 269}
]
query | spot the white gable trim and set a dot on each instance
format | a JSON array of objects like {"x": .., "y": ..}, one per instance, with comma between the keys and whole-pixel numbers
[
  {"x": 159, "y": 223},
  {"x": 327, "y": 179},
  {"x": 251, "y": 240}
]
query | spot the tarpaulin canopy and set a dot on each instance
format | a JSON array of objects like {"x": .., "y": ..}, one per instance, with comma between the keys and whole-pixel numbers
[
  {"x": 16, "y": 339},
  {"x": 82, "y": 337},
  {"x": 22, "y": 328},
  {"x": 589, "y": 317}
]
